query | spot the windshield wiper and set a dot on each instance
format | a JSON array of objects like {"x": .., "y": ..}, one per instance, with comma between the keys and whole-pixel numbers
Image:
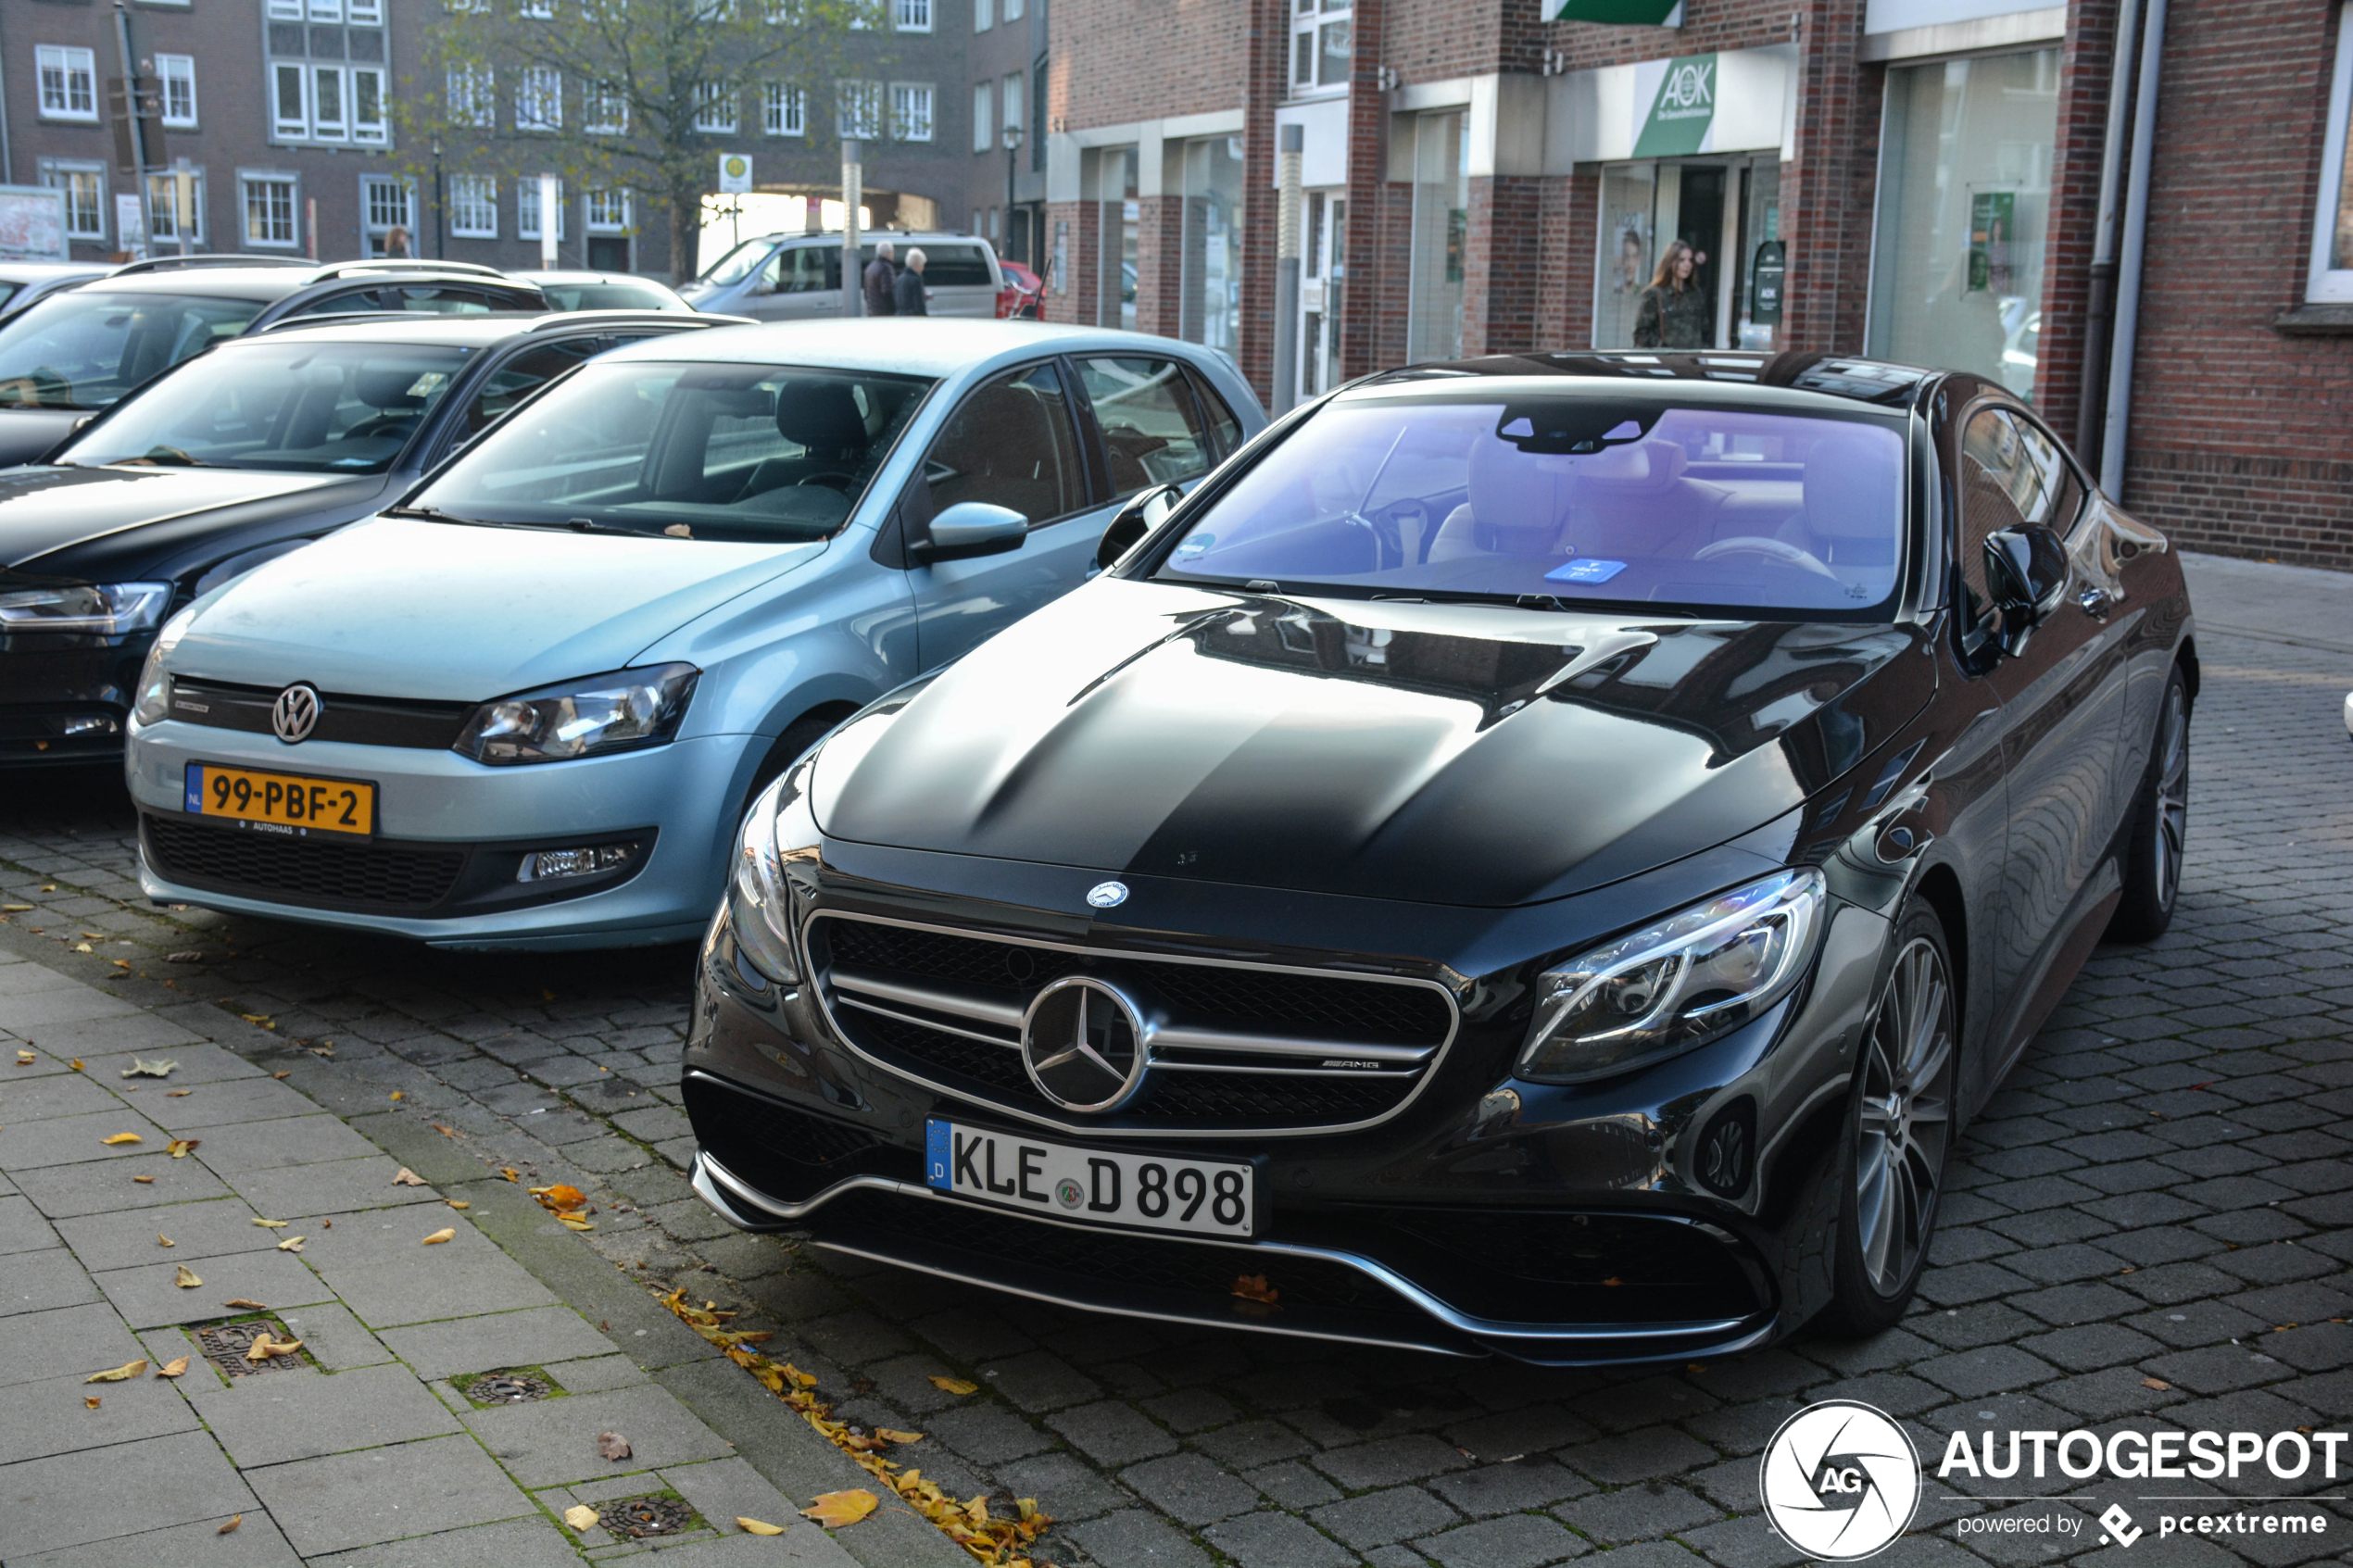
[
  {"x": 434, "y": 514},
  {"x": 162, "y": 457}
]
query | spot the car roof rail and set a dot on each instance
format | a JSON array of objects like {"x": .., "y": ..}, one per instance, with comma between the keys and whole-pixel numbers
[
  {"x": 343, "y": 319},
  {"x": 405, "y": 264},
  {"x": 177, "y": 263},
  {"x": 555, "y": 319}
]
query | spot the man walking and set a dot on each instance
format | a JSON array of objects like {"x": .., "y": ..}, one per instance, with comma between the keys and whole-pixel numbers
[
  {"x": 878, "y": 280},
  {"x": 911, "y": 298}
]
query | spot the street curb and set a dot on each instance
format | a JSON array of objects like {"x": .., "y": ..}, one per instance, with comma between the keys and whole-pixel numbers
[{"x": 772, "y": 1439}]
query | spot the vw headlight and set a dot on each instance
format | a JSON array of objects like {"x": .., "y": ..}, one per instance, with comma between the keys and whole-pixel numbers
[
  {"x": 107, "y": 608},
  {"x": 777, "y": 829},
  {"x": 1676, "y": 984},
  {"x": 583, "y": 718},
  {"x": 154, "y": 685}
]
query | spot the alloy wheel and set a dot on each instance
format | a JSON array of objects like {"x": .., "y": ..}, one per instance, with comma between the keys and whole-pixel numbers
[
  {"x": 2173, "y": 801},
  {"x": 1905, "y": 1118}
]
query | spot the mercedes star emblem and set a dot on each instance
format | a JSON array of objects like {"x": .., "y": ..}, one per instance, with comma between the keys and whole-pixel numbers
[
  {"x": 1107, "y": 895},
  {"x": 1086, "y": 1044},
  {"x": 295, "y": 713}
]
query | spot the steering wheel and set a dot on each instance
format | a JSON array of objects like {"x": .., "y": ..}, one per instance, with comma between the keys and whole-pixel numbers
[
  {"x": 841, "y": 481},
  {"x": 1778, "y": 551},
  {"x": 382, "y": 424}
]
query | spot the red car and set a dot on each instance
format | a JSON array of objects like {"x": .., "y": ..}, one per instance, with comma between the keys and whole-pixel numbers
[{"x": 1021, "y": 297}]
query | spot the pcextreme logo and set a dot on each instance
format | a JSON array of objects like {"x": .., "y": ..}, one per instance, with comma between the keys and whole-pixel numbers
[{"x": 1840, "y": 1480}]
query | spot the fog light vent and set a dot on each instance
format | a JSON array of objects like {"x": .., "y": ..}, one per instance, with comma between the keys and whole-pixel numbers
[
  {"x": 88, "y": 724},
  {"x": 1728, "y": 1149},
  {"x": 549, "y": 865}
]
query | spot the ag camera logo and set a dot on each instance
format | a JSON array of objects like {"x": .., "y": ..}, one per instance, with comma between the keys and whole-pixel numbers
[{"x": 1840, "y": 1480}]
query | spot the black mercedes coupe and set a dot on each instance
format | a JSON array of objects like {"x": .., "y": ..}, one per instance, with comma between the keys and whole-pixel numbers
[{"x": 1537, "y": 855}]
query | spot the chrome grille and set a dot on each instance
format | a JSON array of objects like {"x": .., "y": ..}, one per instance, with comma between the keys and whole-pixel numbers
[{"x": 1236, "y": 1048}]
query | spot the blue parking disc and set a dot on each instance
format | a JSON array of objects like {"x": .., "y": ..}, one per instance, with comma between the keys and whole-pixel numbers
[{"x": 1585, "y": 569}]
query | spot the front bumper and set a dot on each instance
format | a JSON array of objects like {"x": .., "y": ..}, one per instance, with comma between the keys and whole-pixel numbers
[
  {"x": 677, "y": 801},
  {"x": 1559, "y": 1226},
  {"x": 66, "y": 698}
]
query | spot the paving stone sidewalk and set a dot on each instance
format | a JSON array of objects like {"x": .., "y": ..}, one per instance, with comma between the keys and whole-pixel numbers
[{"x": 2152, "y": 1224}]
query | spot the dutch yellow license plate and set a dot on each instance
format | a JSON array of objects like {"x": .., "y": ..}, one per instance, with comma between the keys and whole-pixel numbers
[{"x": 281, "y": 802}]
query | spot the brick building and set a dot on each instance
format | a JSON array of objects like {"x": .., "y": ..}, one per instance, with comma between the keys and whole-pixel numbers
[
  {"x": 284, "y": 108},
  {"x": 1918, "y": 180}
]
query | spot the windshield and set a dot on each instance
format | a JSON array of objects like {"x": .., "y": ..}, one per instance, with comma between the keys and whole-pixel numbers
[
  {"x": 1612, "y": 499},
  {"x": 290, "y": 405},
  {"x": 611, "y": 296},
  {"x": 85, "y": 350},
  {"x": 737, "y": 264},
  {"x": 741, "y": 452}
]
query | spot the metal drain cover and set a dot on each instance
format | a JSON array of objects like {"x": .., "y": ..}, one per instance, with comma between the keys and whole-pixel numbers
[
  {"x": 646, "y": 1516},
  {"x": 225, "y": 1345},
  {"x": 499, "y": 1388}
]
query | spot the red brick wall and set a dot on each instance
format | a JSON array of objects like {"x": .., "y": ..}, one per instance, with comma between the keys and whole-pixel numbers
[
  {"x": 1826, "y": 188},
  {"x": 2240, "y": 441},
  {"x": 1502, "y": 264},
  {"x": 1117, "y": 61},
  {"x": 1160, "y": 264},
  {"x": 2086, "y": 68},
  {"x": 1082, "y": 243}
]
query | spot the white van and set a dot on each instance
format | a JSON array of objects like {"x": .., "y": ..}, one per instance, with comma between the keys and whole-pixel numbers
[{"x": 797, "y": 277}]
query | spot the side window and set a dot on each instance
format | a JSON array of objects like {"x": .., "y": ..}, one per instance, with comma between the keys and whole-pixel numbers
[
  {"x": 2011, "y": 475},
  {"x": 518, "y": 379},
  {"x": 803, "y": 269},
  {"x": 1151, "y": 425},
  {"x": 1222, "y": 422},
  {"x": 1009, "y": 444}
]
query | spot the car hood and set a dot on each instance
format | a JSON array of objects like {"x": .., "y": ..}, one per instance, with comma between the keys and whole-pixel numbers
[
  {"x": 1441, "y": 753},
  {"x": 405, "y": 608},
  {"x": 63, "y": 521}
]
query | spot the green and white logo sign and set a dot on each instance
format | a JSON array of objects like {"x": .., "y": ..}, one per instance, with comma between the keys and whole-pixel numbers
[
  {"x": 734, "y": 173},
  {"x": 1682, "y": 94},
  {"x": 1623, "y": 13}
]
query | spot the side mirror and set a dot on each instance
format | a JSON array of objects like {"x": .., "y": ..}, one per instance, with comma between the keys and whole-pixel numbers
[
  {"x": 972, "y": 528},
  {"x": 1142, "y": 512},
  {"x": 2025, "y": 573}
]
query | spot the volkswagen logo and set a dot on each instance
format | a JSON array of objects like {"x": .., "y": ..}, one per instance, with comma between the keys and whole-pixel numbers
[
  {"x": 1107, "y": 895},
  {"x": 1086, "y": 1044},
  {"x": 295, "y": 713},
  {"x": 1840, "y": 1480}
]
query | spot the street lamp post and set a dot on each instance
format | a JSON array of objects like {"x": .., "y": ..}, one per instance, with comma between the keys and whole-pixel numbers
[
  {"x": 439, "y": 250},
  {"x": 1013, "y": 149}
]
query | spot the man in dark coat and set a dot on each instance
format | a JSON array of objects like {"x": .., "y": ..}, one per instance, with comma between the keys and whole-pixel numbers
[
  {"x": 877, "y": 281},
  {"x": 909, "y": 293}
]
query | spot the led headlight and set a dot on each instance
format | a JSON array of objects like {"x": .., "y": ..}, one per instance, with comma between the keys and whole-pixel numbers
[
  {"x": 154, "y": 686},
  {"x": 583, "y": 718},
  {"x": 1676, "y": 984},
  {"x": 107, "y": 608},
  {"x": 779, "y": 829}
]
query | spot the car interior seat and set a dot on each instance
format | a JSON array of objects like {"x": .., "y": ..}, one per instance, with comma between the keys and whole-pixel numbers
[
  {"x": 1852, "y": 504},
  {"x": 1001, "y": 448}
]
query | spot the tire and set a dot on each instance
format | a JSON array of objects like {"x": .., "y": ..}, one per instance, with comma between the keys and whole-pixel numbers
[
  {"x": 2161, "y": 824},
  {"x": 1898, "y": 1134}
]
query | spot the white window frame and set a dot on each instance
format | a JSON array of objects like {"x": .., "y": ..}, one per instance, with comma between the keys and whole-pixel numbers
[
  {"x": 163, "y": 210},
  {"x": 59, "y": 174},
  {"x": 373, "y": 133},
  {"x": 984, "y": 15},
  {"x": 371, "y": 186},
  {"x": 66, "y": 69},
  {"x": 330, "y": 83},
  {"x": 473, "y": 206},
  {"x": 597, "y": 210},
  {"x": 283, "y": 125},
  {"x": 471, "y": 95},
  {"x": 984, "y": 117},
  {"x": 910, "y": 16},
  {"x": 1012, "y": 97},
  {"x": 2333, "y": 285},
  {"x": 604, "y": 108},
  {"x": 283, "y": 10},
  {"x": 716, "y": 108},
  {"x": 858, "y": 109},
  {"x": 328, "y": 11},
  {"x": 527, "y": 209},
  {"x": 364, "y": 13},
  {"x": 249, "y": 180},
  {"x": 1014, "y": 9},
  {"x": 783, "y": 109},
  {"x": 177, "y": 70},
  {"x": 914, "y": 111},
  {"x": 539, "y": 98},
  {"x": 1308, "y": 19}
]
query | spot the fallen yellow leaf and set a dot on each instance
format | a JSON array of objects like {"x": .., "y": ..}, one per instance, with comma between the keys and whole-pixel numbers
[
  {"x": 15, "y": 909},
  {"x": 185, "y": 1278},
  {"x": 571, "y": 1223},
  {"x": 172, "y": 1369},
  {"x": 955, "y": 1386},
  {"x": 75, "y": 1064},
  {"x": 456, "y": 1203},
  {"x": 835, "y": 1509},
  {"x": 292, "y": 1244},
  {"x": 511, "y": 1172},
  {"x": 888, "y": 1435},
  {"x": 90, "y": 1401},
  {"x": 759, "y": 1526},
  {"x": 405, "y": 1178},
  {"x": 81, "y": 946},
  {"x": 273, "y": 1224},
  {"x": 145, "y": 1181},
  {"x": 560, "y": 1197},
  {"x": 2157, "y": 1382},
  {"x": 179, "y": 1146},
  {"x": 264, "y": 1346},
  {"x": 444, "y": 1233},
  {"x": 444, "y": 1132},
  {"x": 397, "y": 1095},
  {"x": 25, "y": 1058},
  {"x": 255, "y": 1017},
  {"x": 116, "y": 1375},
  {"x": 124, "y": 1137},
  {"x": 1254, "y": 1287},
  {"x": 250, "y": 1305},
  {"x": 178, "y": 1094},
  {"x": 287, "y": 1074},
  {"x": 580, "y": 1517},
  {"x": 234, "y": 1520}
]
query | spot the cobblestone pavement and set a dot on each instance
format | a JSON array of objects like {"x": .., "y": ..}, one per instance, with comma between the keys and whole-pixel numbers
[{"x": 2152, "y": 1223}]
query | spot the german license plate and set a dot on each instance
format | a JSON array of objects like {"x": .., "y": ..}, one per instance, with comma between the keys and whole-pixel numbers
[
  {"x": 1146, "y": 1191},
  {"x": 292, "y": 803}
]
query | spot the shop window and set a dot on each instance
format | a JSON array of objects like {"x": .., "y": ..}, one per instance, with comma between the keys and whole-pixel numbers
[
  {"x": 68, "y": 83},
  {"x": 2333, "y": 230},
  {"x": 1964, "y": 184},
  {"x": 1209, "y": 311},
  {"x": 1442, "y": 228}
]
